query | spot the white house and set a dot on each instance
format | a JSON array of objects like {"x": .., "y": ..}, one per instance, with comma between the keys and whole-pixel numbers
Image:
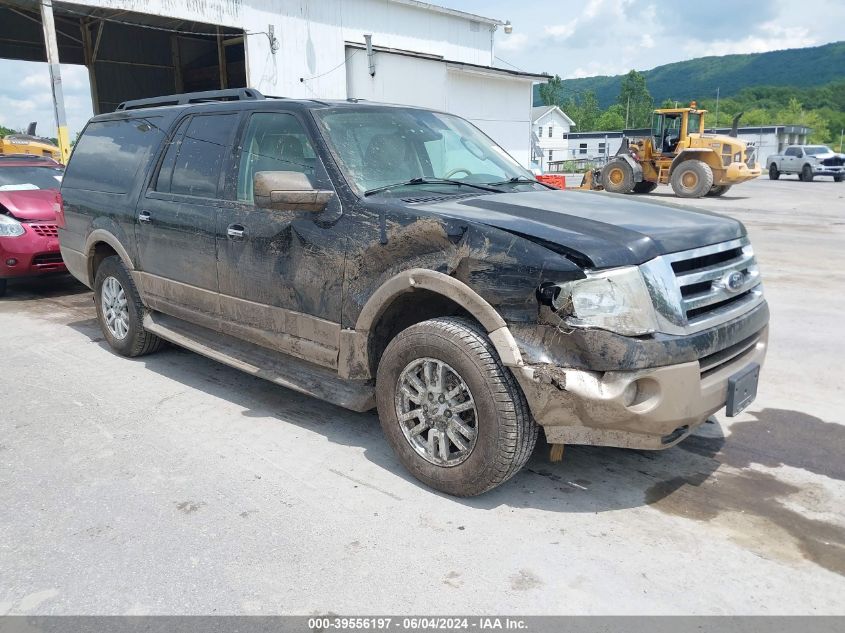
[
  {"x": 397, "y": 51},
  {"x": 550, "y": 128}
]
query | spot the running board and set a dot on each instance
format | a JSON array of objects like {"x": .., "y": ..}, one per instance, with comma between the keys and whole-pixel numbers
[{"x": 276, "y": 367}]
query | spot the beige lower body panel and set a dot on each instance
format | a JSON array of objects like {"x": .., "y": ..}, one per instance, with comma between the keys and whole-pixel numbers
[
  {"x": 300, "y": 335},
  {"x": 582, "y": 407}
]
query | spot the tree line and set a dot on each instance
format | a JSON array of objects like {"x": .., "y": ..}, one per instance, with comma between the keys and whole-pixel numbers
[{"x": 821, "y": 108}]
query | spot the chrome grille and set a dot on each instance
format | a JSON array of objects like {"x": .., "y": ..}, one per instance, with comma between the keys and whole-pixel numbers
[{"x": 703, "y": 287}]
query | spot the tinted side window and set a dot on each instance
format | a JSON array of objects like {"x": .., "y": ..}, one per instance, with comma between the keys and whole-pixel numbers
[
  {"x": 165, "y": 172},
  {"x": 274, "y": 142},
  {"x": 204, "y": 147},
  {"x": 109, "y": 154}
]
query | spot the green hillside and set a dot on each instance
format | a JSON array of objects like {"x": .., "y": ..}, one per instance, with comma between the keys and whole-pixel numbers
[{"x": 699, "y": 78}]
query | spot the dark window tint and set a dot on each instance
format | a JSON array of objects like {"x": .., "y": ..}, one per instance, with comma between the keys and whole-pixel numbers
[
  {"x": 273, "y": 142},
  {"x": 109, "y": 154},
  {"x": 165, "y": 172},
  {"x": 202, "y": 150}
]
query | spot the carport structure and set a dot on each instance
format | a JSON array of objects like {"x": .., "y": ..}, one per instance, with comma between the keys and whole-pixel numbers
[{"x": 128, "y": 54}]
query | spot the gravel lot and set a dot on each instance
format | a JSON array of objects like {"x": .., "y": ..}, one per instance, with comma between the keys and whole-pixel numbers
[{"x": 172, "y": 484}]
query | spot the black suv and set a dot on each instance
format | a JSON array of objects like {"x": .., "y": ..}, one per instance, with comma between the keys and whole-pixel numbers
[{"x": 396, "y": 257}]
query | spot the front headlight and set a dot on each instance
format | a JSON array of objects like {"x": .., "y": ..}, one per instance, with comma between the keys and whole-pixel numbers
[
  {"x": 615, "y": 300},
  {"x": 10, "y": 227}
]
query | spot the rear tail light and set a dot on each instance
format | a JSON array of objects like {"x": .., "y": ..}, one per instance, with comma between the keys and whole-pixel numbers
[{"x": 59, "y": 208}]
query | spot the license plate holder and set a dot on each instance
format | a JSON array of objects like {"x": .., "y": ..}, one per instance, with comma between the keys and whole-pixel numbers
[{"x": 742, "y": 389}]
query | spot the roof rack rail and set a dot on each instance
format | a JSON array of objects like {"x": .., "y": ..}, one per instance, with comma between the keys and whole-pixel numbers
[{"x": 232, "y": 94}]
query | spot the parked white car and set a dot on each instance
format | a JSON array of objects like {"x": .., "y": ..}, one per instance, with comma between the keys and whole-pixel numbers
[{"x": 808, "y": 161}]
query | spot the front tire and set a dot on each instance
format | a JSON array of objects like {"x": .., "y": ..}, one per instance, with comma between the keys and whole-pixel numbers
[
  {"x": 617, "y": 177},
  {"x": 774, "y": 174},
  {"x": 835, "y": 179},
  {"x": 2, "y": 287},
  {"x": 807, "y": 173},
  {"x": 692, "y": 179},
  {"x": 718, "y": 190},
  {"x": 453, "y": 414},
  {"x": 120, "y": 311}
]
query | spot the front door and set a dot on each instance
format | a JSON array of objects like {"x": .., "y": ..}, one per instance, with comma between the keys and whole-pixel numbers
[
  {"x": 281, "y": 270},
  {"x": 177, "y": 220}
]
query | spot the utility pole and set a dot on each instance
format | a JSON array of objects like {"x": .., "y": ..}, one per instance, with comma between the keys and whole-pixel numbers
[
  {"x": 717, "y": 107},
  {"x": 627, "y": 108},
  {"x": 55, "y": 77},
  {"x": 841, "y": 132}
]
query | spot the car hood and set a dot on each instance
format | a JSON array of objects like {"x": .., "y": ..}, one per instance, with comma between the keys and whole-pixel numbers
[
  {"x": 608, "y": 230},
  {"x": 34, "y": 204}
]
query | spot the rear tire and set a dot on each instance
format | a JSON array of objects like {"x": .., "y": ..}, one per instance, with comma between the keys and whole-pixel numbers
[
  {"x": 774, "y": 174},
  {"x": 120, "y": 311},
  {"x": 645, "y": 187},
  {"x": 617, "y": 176},
  {"x": 494, "y": 429},
  {"x": 2, "y": 287},
  {"x": 807, "y": 173},
  {"x": 692, "y": 179},
  {"x": 718, "y": 190}
]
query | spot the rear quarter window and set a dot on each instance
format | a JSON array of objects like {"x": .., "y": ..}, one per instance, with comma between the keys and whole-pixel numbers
[{"x": 109, "y": 154}]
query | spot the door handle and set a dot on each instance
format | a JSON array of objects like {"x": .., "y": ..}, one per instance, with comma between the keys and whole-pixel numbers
[
  {"x": 144, "y": 216},
  {"x": 235, "y": 232}
]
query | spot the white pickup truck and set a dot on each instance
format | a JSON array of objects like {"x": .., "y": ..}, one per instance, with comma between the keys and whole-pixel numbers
[{"x": 808, "y": 161}]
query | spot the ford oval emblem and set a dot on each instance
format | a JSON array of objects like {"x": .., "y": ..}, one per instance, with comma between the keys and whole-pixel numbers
[{"x": 733, "y": 281}]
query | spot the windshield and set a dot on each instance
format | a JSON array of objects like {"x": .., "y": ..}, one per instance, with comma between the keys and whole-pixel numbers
[
  {"x": 385, "y": 147},
  {"x": 818, "y": 149},
  {"x": 28, "y": 178}
]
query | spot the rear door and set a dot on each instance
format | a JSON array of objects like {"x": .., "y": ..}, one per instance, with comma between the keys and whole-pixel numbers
[
  {"x": 177, "y": 219},
  {"x": 281, "y": 270}
]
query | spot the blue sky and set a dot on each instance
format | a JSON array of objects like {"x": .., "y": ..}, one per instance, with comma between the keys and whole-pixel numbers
[{"x": 573, "y": 38}]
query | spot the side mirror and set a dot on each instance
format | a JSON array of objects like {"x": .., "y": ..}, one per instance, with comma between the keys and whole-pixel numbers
[{"x": 288, "y": 190}]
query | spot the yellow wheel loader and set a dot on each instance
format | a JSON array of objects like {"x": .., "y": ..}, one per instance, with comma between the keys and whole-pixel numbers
[{"x": 678, "y": 152}]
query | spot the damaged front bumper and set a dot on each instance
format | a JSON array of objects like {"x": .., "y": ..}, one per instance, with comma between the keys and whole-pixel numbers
[{"x": 646, "y": 408}]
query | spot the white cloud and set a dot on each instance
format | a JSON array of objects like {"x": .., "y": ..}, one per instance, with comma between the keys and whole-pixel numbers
[
  {"x": 25, "y": 96},
  {"x": 577, "y": 38},
  {"x": 770, "y": 36},
  {"x": 513, "y": 42}
]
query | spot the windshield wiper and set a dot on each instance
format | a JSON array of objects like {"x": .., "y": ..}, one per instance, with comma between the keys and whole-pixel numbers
[
  {"x": 516, "y": 180},
  {"x": 431, "y": 181}
]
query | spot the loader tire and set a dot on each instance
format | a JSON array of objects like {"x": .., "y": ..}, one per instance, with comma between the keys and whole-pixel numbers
[
  {"x": 617, "y": 177},
  {"x": 718, "y": 190},
  {"x": 692, "y": 179}
]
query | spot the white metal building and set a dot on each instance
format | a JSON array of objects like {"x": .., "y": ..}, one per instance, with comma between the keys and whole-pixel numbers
[
  {"x": 420, "y": 54},
  {"x": 551, "y": 127}
]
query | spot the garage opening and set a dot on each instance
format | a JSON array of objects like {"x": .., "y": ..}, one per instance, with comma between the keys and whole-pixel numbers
[{"x": 129, "y": 55}]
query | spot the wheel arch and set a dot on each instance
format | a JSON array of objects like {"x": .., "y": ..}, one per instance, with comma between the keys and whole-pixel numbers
[
  {"x": 410, "y": 297},
  {"x": 99, "y": 245}
]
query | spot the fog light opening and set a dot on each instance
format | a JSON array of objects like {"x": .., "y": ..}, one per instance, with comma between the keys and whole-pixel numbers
[
  {"x": 641, "y": 394},
  {"x": 11, "y": 262}
]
